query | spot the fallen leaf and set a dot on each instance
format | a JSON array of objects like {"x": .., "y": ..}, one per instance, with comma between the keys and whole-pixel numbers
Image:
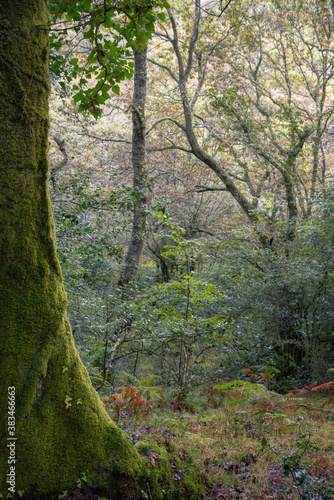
[
  {"x": 183, "y": 455},
  {"x": 153, "y": 457}
]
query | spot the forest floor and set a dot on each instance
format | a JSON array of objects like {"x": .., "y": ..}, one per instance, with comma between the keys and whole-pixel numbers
[{"x": 237, "y": 447}]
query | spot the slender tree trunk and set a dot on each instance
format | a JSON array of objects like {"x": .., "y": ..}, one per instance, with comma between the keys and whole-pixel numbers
[
  {"x": 316, "y": 150},
  {"x": 59, "y": 428},
  {"x": 131, "y": 264},
  {"x": 291, "y": 198},
  {"x": 181, "y": 80}
]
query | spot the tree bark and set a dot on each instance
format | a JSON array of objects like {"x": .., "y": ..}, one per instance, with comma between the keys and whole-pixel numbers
[
  {"x": 61, "y": 429},
  {"x": 131, "y": 265}
]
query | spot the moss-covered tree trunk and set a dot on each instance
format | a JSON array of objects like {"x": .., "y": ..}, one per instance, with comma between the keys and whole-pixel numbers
[
  {"x": 61, "y": 427},
  {"x": 131, "y": 265}
]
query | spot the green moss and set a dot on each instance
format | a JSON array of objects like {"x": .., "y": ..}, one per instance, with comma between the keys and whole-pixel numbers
[
  {"x": 244, "y": 387},
  {"x": 62, "y": 428},
  {"x": 186, "y": 486}
]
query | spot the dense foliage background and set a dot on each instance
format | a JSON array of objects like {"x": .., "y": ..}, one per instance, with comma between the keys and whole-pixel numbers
[{"x": 236, "y": 271}]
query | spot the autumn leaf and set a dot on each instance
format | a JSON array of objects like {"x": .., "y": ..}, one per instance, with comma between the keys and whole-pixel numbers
[{"x": 152, "y": 456}]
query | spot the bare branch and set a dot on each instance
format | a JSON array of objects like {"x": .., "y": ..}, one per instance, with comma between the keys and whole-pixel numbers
[
  {"x": 178, "y": 124},
  {"x": 166, "y": 68},
  {"x": 202, "y": 189},
  {"x": 193, "y": 39}
]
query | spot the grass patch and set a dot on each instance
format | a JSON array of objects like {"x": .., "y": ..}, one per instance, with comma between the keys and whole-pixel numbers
[{"x": 258, "y": 446}]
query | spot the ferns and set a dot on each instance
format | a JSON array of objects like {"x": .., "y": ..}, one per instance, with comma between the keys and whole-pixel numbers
[{"x": 130, "y": 399}]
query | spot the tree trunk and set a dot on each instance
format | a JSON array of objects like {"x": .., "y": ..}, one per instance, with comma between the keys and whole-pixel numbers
[
  {"x": 61, "y": 427},
  {"x": 131, "y": 264}
]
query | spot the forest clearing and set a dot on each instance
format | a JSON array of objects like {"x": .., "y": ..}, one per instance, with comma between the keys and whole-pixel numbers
[{"x": 166, "y": 249}]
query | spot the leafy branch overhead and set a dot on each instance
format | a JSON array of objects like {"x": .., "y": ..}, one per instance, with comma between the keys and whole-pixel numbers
[{"x": 106, "y": 33}]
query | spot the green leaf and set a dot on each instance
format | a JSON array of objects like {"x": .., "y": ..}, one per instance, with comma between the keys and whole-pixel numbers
[
  {"x": 116, "y": 89},
  {"x": 78, "y": 97},
  {"x": 85, "y": 4}
]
